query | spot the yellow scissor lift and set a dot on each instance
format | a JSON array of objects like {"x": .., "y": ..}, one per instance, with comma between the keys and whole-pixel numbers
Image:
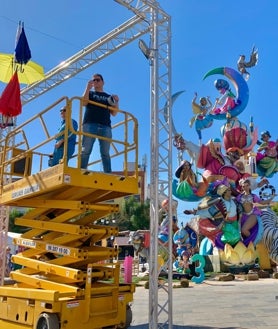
[{"x": 68, "y": 278}]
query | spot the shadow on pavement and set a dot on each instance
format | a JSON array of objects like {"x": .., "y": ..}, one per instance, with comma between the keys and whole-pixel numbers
[{"x": 146, "y": 326}]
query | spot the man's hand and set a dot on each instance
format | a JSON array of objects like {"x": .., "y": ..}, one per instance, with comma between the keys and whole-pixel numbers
[{"x": 59, "y": 143}]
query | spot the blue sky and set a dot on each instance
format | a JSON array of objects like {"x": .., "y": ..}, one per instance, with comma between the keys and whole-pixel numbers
[{"x": 205, "y": 35}]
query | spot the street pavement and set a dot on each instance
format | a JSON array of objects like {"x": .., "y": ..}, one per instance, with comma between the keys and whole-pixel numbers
[{"x": 214, "y": 304}]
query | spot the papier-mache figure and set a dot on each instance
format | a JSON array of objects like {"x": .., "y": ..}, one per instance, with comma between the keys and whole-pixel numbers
[{"x": 266, "y": 159}]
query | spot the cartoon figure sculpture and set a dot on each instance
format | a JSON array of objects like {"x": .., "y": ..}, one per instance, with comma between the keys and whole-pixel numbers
[
  {"x": 227, "y": 231},
  {"x": 236, "y": 134},
  {"x": 251, "y": 214},
  {"x": 163, "y": 234},
  {"x": 242, "y": 64},
  {"x": 188, "y": 188},
  {"x": 266, "y": 159},
  {"x": 202, "y": 118},
  {"x": 220, "y": 218},
  {"x": 226, "y": 212},
  {"x": 243, "y": 174},
  {"x": 209, "y": 156},
  {"x": 185, "y": 240},
  {"x": 226, "y": 101},
  {"x": 216, "y": 163},
  {"x": 270, "y": 233}
]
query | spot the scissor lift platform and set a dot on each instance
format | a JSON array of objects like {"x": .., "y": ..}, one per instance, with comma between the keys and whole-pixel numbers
[
  {"x": 66, "y": 183},
  {"x": 68, "y": 277}
]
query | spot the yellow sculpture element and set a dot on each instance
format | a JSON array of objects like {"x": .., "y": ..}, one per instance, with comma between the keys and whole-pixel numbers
[{"x": 240, "y": 255}]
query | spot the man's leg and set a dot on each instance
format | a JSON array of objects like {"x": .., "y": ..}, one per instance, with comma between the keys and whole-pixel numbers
[
  {"x": 57, "y": 155},
  {"x": 87, "y": 145},
  {"x": 105, "y": 149}
]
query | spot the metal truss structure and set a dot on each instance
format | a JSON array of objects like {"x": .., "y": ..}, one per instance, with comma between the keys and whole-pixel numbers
[
  {"x": 4, "y": 225},
  {"x": 149, "y": 18}
]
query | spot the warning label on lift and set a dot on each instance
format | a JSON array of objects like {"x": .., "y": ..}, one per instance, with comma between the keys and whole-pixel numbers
[
  {"x": 72, "y": 304},
  {"x": 26, "y": 243},
  {"x": 25, "y": 191},
  {"x": 58, "y": 249}
]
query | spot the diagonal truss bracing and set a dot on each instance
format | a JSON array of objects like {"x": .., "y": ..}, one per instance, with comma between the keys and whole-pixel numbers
[
  {"x": 98, "y": 50},
  {"x": 160, "y": 304}
]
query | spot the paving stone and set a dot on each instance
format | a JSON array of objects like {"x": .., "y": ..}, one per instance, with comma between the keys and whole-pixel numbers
[{"x": 214, "y": 304}]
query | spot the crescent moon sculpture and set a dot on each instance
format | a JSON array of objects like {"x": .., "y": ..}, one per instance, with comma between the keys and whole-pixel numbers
[
  {"x": 173, "y": 98},
  {"x": 241, "y": 87}
]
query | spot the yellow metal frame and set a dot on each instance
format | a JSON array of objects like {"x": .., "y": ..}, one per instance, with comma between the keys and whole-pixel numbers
[{"x": 23, "y": 166}]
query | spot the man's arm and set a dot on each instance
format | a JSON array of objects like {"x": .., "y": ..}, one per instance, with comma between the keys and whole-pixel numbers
[
  {"x": 87, "y": 92},
  {"x": 116, "y": 105}
]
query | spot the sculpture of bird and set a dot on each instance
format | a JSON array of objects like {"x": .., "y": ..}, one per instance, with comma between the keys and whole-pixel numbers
[{"x": 242, "y": 64}]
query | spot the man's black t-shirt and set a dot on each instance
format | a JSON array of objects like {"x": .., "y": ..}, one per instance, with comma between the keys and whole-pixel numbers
[{"x": 97, "y": 114}]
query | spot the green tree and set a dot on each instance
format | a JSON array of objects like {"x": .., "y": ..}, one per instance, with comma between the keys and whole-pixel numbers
[
  {"x": 15, "y": 213},
  {"x": 133, "y": 215}
]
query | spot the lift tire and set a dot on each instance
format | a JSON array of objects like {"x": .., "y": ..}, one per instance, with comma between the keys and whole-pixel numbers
[
  {"x": 128, "y": 316},
  {"x": 48, "y": 321},
  {"x": 128, "y": 319}
]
